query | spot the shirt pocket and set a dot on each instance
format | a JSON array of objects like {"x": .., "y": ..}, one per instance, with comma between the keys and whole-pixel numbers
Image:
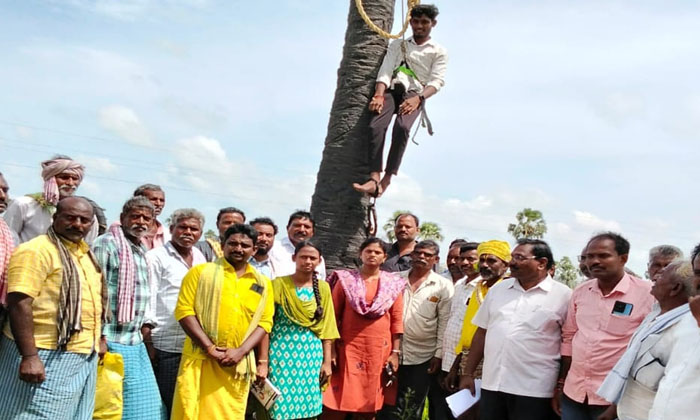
[
  {"x": 650, "y": 373},
  {"x": 620, "y": 325},
  {"x": 538, "y": 318},
  {"x": 427, "y": 309}
]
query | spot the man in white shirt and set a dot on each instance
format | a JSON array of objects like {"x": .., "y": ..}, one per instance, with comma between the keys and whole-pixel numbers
[
  {"x": 426, "y": 309},
  {"x": 300, "y": 227},
  {"x": 677, "y": 396},
  {"x": 169, "y": 264},
  {"x": 31, "y": 215},
  {"x": 668, "y": 332},
  {"x": 519, "y": 337},
  {"x": 412, "y": 71},
  {"x": 261, "y": 261}
]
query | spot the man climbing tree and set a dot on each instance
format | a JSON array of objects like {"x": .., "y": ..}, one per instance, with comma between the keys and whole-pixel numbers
[{"x": 412, "y": 71}]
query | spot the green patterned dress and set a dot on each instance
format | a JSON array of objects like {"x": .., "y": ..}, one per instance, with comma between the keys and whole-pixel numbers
[{"x": 296, "y": 355}]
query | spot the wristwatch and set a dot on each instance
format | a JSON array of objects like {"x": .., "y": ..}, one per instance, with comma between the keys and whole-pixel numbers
[{"x": 421, "y": 97}]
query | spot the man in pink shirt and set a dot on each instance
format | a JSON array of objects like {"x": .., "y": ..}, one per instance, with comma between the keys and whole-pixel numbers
[{"x": 603, "y": 314}]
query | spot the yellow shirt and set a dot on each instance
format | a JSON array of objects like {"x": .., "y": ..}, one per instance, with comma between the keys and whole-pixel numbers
[
  {"x": 238, "y": 304},
  {"x": 35, "y": 270}
]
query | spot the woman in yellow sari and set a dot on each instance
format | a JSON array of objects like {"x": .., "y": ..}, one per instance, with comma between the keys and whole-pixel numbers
[{"x": 225, "y": 307}]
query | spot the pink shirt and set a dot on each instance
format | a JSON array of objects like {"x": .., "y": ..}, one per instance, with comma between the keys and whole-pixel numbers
[
  {"x": 160, "y": 238},
  {"x": 595, "y": 337}
]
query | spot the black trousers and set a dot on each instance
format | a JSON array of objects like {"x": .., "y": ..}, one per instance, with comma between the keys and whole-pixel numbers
[
  {"x": 414, "y": 383},
  {"x": 400, "y": 133},
  {"x": 502, "y": 406},
  {"x": 165, "y": 368},
  {"x": 437, "y": 405}
]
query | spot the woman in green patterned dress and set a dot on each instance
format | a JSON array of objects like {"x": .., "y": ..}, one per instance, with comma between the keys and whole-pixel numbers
[{"x": 301, "y": 338}]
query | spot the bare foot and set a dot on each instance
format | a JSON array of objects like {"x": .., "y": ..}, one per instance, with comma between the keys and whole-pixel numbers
[{"x": 370, "y": 187}]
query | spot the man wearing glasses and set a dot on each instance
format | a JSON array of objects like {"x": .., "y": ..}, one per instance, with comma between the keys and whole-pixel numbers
[
  {"x": 518, "y": 336},
  {"x": 426, "y": 309}
]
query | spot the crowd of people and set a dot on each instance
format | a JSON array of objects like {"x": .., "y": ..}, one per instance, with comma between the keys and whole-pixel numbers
[{"x": 196, "y": 322}]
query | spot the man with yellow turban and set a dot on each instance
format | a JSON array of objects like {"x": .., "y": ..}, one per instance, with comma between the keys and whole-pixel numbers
[
  {"x": 31, "y": 215},
  {"x": 494, "y": 257}
]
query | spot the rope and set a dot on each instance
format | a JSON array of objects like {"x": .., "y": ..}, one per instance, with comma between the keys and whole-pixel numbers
[
  {"x": 371, "y": 228},
  {"x": 380, "y": 31}
]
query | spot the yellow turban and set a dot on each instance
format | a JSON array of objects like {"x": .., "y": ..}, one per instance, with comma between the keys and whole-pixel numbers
[{"x": 500, "y": 249}]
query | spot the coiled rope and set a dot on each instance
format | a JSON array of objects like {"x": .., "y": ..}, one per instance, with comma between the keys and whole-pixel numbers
[{"x": 384, "y": 34}]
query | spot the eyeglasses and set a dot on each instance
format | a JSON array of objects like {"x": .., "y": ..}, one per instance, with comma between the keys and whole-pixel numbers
[{"x": 521, "y": 258}]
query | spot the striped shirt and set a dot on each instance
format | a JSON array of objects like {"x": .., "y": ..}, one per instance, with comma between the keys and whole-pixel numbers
[
  {"x": 35, "y": 270},
  {"x": 453, "y": 331},
  {"x": 107, "y": 253}
]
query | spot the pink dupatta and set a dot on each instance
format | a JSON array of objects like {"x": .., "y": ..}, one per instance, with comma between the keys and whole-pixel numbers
[{"x": 390, "y": 286}]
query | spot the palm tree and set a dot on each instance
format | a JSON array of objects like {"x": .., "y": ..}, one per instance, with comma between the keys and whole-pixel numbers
[
  {"x": 339, "y": 211},
  {"x": 530, "y": 224}
]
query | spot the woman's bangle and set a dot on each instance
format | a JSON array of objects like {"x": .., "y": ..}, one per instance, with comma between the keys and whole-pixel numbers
[
  {"x": 396, "y": 351},
  {"x": 262, "y": 361}
]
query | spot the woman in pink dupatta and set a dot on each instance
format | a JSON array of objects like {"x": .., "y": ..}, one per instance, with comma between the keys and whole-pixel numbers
[{"x": 369, "y": 311}]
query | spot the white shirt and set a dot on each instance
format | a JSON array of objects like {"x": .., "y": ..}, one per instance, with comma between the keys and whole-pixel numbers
[
  {"x": 167, "y": 271},
  {"x": 27, "y": 219},
  {"x": 523, "y": 336},
  {"x": 428, "y": 61},
  {"x": 281, "y": 258},
  {"x": 679, "y": 389},
  {"x": 425, "y": 315},
  {"x": 453, "y": 330}
]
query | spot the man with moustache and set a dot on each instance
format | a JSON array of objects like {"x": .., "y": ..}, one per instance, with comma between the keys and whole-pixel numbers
[
  {"x": 122, "y": 256},
  {"x": 48, "y": 349},
  {"x": 300, "y": 227},
  {"x": 660, "y": 256},
  {"x": 453, "y": 270},
  {"x": 406, "y": 230},
  {"x": 227, "y": 217},
  {"x": 426, "y": 309},
  {"x": 518, "y": 335},
  {"x": 493, "y": 258},
  {"x": 4, "y": 194},
  {"x": 157, "y": 235},
  {"x": 267, "y": 229},
  {"x": 603, "y": 314},
  {"x": 448, "y": 380},
  {"x": 226, "y": 308},
  {"x": 169, "y": 265},
  {"x": 31, "y": 215}
]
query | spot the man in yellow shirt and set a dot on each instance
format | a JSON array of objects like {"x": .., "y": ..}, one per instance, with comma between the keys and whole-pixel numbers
[
  {"x": 55, "y": 298},
  {"x": 225, "y": 307}
]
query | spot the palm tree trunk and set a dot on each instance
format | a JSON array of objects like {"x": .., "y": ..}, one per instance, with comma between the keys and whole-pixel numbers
[{"x": 339, "y": 211}]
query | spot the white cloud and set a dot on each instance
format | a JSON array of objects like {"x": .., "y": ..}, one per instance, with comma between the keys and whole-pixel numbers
[
  {"x": 24, "y": 132},
  {"x": 593, "y": 222},
  {"x": 124, "y": 122},
  {"x": 99, "y": 165},
  {"x": 621, "y": 107}
]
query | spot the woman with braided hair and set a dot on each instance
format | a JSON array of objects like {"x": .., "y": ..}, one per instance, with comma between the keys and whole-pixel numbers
[{"x": 301, "y": 338}]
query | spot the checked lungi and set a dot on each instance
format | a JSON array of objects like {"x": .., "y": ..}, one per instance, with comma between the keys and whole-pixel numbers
[
  {"x": 68, "y": 393},
  {"x": 141, "y": 396}
]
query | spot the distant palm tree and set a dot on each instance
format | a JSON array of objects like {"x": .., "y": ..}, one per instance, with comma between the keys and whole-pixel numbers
[
  {"x": 339, "y": 211},
  {"x": 530, "y": 224}
]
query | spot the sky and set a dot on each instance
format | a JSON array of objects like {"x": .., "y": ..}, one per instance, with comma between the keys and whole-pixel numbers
[{"x": 586, "y": 111}]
